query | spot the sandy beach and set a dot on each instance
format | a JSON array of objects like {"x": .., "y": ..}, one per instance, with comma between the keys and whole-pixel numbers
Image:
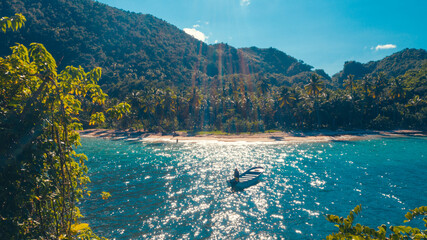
[{"x": 274, "y": 137}]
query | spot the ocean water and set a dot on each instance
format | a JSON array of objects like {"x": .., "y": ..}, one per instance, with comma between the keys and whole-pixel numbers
[{"x": 179, "y": 190}]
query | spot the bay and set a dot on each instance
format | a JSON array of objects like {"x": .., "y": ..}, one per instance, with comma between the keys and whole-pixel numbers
[{"x": 179, "y": 191}]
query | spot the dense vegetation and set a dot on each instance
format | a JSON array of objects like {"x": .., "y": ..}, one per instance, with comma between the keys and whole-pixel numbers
[
  {"x": 41, "y": 176},
  {"x": 134, "y": 48},
  {"x": 349, "y": 230},
  {"x": 391, "y": 66},
  {"x": 239, "y": 104}
]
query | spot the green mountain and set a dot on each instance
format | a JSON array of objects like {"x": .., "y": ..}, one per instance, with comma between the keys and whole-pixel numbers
[
  {"x": 392, "y": 66},
  {"x": 136, "y": 49}
]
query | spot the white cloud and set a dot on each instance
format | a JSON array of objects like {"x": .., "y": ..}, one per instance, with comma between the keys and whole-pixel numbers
[
  {"x": 196, "y": 34},
  {"x": 196, "y": 26},
  {"x": 385, "y": 46},
  {"x": 245, "y": 2}
]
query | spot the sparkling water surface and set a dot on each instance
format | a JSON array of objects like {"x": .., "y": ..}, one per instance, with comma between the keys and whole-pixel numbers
[{"x": 179, "y": 190}]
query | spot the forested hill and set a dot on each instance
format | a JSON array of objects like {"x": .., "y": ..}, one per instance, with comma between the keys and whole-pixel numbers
[
  {"x": 136, "y": 49},
  {"x": 392, "y": 66}
]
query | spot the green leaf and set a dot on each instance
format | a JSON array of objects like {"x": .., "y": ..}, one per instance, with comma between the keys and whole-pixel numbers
[
  {"x": 358, "y": 228},
  {"x": 357, "y": 209},
  {"x": 333, "y": 218},
  {"x": 420, "y": 236},
  {"x": 382, "y": 229},
  {"x": 14, "y": 25},
  {"x": 105, "y": 195},
  {"x": 97, "y": 118},
  {"x": 351, "y": 217},
  {"x": 76, "y": 228},
  {"x": 404, "y": 229},
  {"x": 395, "y": 237}
]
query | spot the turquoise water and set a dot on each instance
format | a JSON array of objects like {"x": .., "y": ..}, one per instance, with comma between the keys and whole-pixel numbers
[{"x": 179, "y": 191}]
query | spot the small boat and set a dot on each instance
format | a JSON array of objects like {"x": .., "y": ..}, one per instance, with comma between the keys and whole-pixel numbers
[{"x": 247, "y": 179}]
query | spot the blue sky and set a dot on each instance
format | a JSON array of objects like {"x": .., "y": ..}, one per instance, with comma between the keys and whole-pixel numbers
[{"x": 322, "y": 33}]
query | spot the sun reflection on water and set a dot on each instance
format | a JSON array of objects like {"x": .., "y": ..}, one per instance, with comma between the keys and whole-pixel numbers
[{"x": 165, "y": 190}]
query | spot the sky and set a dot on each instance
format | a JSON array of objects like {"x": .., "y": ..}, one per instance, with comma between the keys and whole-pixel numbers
[{"x": 322, "y": 33}]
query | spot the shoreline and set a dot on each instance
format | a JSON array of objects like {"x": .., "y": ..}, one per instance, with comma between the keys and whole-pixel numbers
[{"x": 274, "y": 137}]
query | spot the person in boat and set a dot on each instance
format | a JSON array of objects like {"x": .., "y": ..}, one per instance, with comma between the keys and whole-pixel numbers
[{"x": 236, "y": 175}]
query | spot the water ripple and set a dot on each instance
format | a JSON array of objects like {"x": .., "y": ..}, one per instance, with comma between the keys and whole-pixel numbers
[{"x": 178, "y": 191}]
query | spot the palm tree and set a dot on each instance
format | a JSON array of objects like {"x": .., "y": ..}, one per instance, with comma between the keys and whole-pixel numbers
[
  {"x": 314, "y": 86},
  {"x": 313, "y": 89},
  {"x": 169, "y": 104},
  {"x": 149, "y": 104},
  {"x": 167, "y": 109},
  {"x": 263, "y": 90},
  {"x": 416, "y": 103},
  {"x": 134, "y": 99},
  {"x": 377, "y": 90},
  {"x": 286, "y": 99},
  {"x": 350, "y": 85},
  {"x": 366, "y": 89},
  {"x": 397, "y": 93},
  {"x": 263, "y": 87},
  {"x": 194, "y": 101}
]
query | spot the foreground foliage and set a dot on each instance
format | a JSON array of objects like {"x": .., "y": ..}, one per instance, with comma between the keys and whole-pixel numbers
[
  {"x": 347, "y": 230},
  {"x": 12, "y": 23},
  {"x": 41, "y": 176}
]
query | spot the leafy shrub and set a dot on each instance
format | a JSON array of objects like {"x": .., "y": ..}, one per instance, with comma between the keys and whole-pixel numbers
[{"x": 347, "y": 229}]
